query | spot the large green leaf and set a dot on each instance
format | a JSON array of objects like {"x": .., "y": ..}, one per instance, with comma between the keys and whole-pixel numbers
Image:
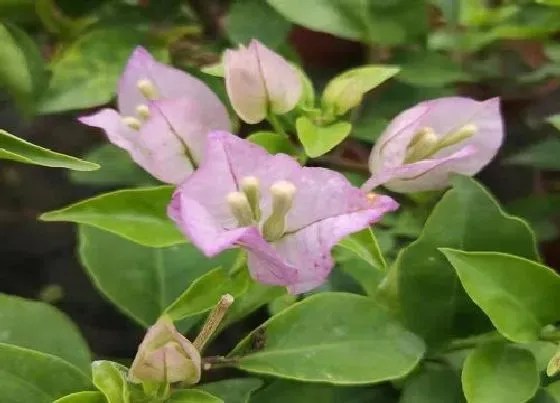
[
  {"x": 317, "y": 340},
  {"x": 30, "y": 376},
  {"x": 282, "y": 391},
  {"x": 83, "y": 397},
  {"x": 142, "y": 281},
  {"x": 319, "y": 140},
  {"x": 498, "y": 283},
  {"x": 139, "y": 215},
  {"x": 16, "y": 149},
  {"x": 500, "y": 373},
  {"x": 432, "y": 302},
  {"x": 193, "y": 396},
  {"x": 233, "y": 390},
  {"x": 438, "y": 386},
  {"x": 86, "y": 73},
  {"x": 39, "y": 326}
]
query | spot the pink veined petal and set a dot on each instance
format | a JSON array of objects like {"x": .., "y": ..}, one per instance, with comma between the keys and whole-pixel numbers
[
  {"x": 309, "y": 249},
  {"x": 168, "y": 81},
  {"x": 282, "y": 82},
  {"x": 244, "y": 84}
]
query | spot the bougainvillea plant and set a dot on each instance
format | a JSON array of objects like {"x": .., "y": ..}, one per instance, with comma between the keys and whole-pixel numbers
[{"x": 246, "y": 222}]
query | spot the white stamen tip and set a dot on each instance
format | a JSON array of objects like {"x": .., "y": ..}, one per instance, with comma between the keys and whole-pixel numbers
[
  {"x": 250, "y": 182},
  {"x": 147, "y": 89},
  {"x": 132, "y": 122},
  {"x": 143, "y": 112},
  {"x": 240, "y": 208},
  {"x": 283, "y": 189}
]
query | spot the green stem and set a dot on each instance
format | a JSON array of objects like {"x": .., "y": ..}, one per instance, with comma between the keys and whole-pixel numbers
[
  {"x": 276, "y": 125},
  {"x": 472, "y": 342}
]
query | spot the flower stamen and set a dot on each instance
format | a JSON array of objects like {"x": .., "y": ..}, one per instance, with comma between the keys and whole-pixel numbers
[
  {"x": 457, "y": 136},
  {"x": 423, "y": 144},
  {"x": 132, "y": 122},
  {"x": 147, "y": 89},
  {"x": 282, "y": 198},
  {"x": 250, "y": 186},
  {"x": 143, "y": 112},
  {"x": 240, "y": 208}
]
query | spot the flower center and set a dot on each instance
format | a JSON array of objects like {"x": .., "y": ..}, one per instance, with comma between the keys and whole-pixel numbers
[
  {"x": 149, "y": 91},
  {"x": 245, "y": 206},
  {"x": 426, "y": 143}
]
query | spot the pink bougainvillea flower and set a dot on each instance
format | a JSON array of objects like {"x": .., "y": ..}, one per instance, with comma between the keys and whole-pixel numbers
[
  {"x": 165, "y": 355},
  {"x": 425, "y": 144},
  {"x": 163, "y": 117},
  {"x": 286, "y": 216},
  {"x": 259, "y": 80}
]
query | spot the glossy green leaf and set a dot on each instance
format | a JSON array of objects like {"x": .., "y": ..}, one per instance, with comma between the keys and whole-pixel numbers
[
  {"x": 193, "y": 396},
  {"x": 274, "y": 143},
  {"x": 282, "y": 391},
  {"x": 31, "y": 376},
  {"x": 205, "y": 292},
  {"x": 542, "y": 155},
  {"x": 16, "y": 149},
  {"x": 86, "y": 73},
  {"x": 499, "y": 373},
  {"x": 317, "y": 339},
  {"x": 469, "y": 218},
  {"x": 83, "y": 397},
  {"x": 117, "y": 169},
  {"x": 438, "y": 386},
  {"x": 365, "y": 246},
  {"x": 39, "y": 326},
  {"x": 497, "y": 282},
  {"x": 110, "y": 378},
  {"x": 233, "y": 390},
  {"x": 266, "y": 25},
  {"x": 317, "y": 140},
  {"x": 154, "y": 277},
  {"x": 139, "y": 215}
]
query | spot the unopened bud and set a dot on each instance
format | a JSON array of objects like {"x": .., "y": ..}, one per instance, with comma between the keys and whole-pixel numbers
[
  {"x": 147, "y": 89},
  {"x": 240, "y": 208},
  {"x": 132, "y": 122},
  {"x": 165, "y": 356},
  {"x": 250, "y": 186},
  {"x": 143, "y": 112},
  {"x": 423, "y": 145},
  {"x": 458, "y": 136},
  {"x": 282, "y": 198}
]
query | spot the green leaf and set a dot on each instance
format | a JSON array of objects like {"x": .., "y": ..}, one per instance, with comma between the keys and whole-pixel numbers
[
  {"x": 39, "y": 326},
  {"x": 346, "y": 90},
  {"x": 86, "y": 73},
  {"x": 139, "y": 215},
  {"x": 266, "y": 25},
  {"x": 193, "y": 396},
  {"x": 233, "y": 390},
  {"x": 317, "y": 140},
  {"x": 154, "y": 278},
  {"x": 205, "y": 292},
  {"x": 274, "y": 143},
  {"x": 16, "y": 149},
  {"x": 469, "y": 218},
  {"x": 31, "y": 376},
  {"x": 555, "y": 119},
  {"x": 316, "y": 341},
  {"x": 497, "y": 282},
  {"x": 431, "y": 69},
  {"x": 282, "y": 391},
  {"x": 542, "y": 155},
  {"x": 110, "y": 378},
  {"x": 83, "y": 397},
  {"x": 499, "y": 373},
  {"x": 439, "y": 386},
  {"x": 365, "y": 246},
  {"x": 22, "y": 71},
  {"x": 117, "y": 169},
  {"x": 554, "y": 390}
]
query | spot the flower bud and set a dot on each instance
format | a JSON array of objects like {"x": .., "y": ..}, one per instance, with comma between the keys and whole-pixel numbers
[
  {"x": 258, "y": 81},
  {"x": 165, "y": 356}
]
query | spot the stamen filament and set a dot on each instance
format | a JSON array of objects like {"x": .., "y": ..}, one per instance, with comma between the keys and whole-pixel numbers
[
  {"x": 282, "y": 198},
  {"x": 250, "y": 186},
  {"x": 240, "y": 208}
]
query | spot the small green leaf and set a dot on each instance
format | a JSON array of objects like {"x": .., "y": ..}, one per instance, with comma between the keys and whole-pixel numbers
[
  {"x": 542, "y": 155},
  {"x": 83, "y": 397},
  {"x": 139, "y": 215},
  {"x": 205, "y": 292},
  {"x": 274, "y": 143},
  {"x": 233, "y": 390},
  {"x": 364, "y": 245},
  {"x": 317, "y": 140},
  {"x": 110, "y": 378},
  {"x": 215, "y": 69},
  {"x": 555, "y": 119},
  {"x": 499, "y": 373},
  {"x": 154, "y": 277},
  {"x": 497, "y": 282},
  {"x": 39, "y": 326},
  {"x": 193, "y": 396},
  {"x": 31, "y": 376},
  {"x": 16, "y": 149},
  {"x": 439, "y": 386},
  {"x": 316, "y": 340}
]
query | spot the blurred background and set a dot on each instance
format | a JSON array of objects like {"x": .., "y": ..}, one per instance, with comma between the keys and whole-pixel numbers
[{"x": 60, "y": 59}]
